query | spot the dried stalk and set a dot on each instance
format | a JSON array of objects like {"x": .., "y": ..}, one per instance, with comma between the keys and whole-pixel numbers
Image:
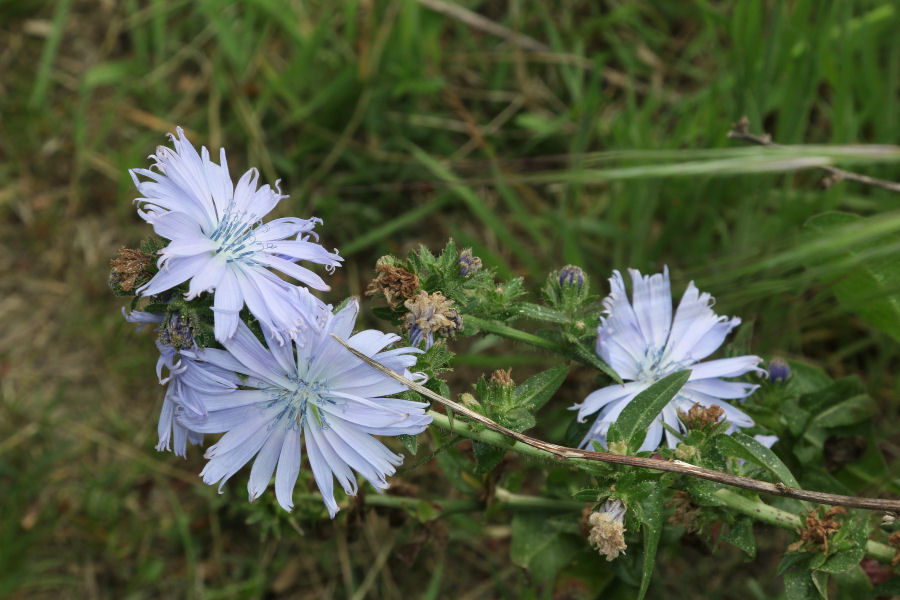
[
  {"x": 672, "y": 466},
  {"x": 740, "y": 131}
]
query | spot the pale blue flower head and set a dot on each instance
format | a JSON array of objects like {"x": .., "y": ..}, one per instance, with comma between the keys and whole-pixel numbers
[
  {"x": 311, "y": 392},
  {"x": 219, "y": 243},
  {"x": 643, "y": 342},
  {"x": 186, "y": 382}
]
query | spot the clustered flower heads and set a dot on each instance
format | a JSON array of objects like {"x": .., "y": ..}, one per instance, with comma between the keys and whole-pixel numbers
[
  {"x": 302, "y": 388},
  {"x": 643, "y": 342},
  {"x": 279, "y": 385}
]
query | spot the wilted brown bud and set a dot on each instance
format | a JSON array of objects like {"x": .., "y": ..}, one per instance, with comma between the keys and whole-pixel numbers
[
  {"x": 397, "y": 284},
  {"x": 128, "y": 268},
  {"x": 701, "y": 417},
  {"x": 502, "y": 377}
]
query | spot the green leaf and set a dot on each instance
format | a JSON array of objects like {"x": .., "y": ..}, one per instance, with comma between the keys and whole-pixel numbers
[
  {"x": 487, "y": 456},
  {"x": 820, "y": 581},
  {"x": 410, "y": 442},
  {"x": 542, "y": 313},
  {"x": 798, "y": 585},
  {"x": 646, "y": 406},
  {"x": 539, "y": 546},
  {"x": 852, "y": 410},
  {"x": 535, "y": 391},
  {"x": 868, "y": 286},
  {"x": 743, "y": 446},
  {"x": 588, "y": 494},
  {"x": 650, "y": 513},
  {"x": 588, "y": 356},
  {"x": 740, "y": 535}
]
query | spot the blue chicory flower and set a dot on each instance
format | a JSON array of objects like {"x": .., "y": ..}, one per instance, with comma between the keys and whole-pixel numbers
[
  {"x": 311, "y": 392},
  {"x": 186, "y": 381},
  {"x": 643, "y": 342},
  {"x": 219, "y": 243}
]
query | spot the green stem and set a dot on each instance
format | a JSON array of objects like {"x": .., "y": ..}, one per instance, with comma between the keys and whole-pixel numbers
[
  {"x": 514, "y": 334},
  {"x": 755, "y": 509}
]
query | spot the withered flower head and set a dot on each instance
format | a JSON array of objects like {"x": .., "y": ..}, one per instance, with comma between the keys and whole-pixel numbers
[
  {"x": 430, "y": 315},
  {"x": 607, "y": 532},
  {"x": 502, "y": 377},
  {"x": 816, "y": 531},
  {"x": 128, "y": 268},
  {"x": 395, "y": 283},
  {"x": 701, "y": 417}
]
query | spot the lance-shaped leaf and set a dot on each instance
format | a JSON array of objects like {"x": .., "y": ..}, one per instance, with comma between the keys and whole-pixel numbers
[{"x": 632, "y": 424}]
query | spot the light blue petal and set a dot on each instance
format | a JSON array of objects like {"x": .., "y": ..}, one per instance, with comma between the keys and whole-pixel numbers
[
  {"x": 227, "y": 306},
  {"x": 174, "y": 272},
  {"x": 264, "y": 465},
  {"x": 288, "y": 469},
  {"x": 321, "y": 473},
  {"x": 726, "y": 367},
  {"x": 718, "y": 388},
  {"x": 653, "y": 306}
]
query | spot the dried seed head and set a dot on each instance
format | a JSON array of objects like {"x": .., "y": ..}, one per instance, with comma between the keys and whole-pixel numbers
[
  {"x": 607, "y": 533},
  {"x": 430, "y": 315},
  {"x": 816, "y": 531},
  {"x": 395, "y": 283},
  {"x": 468, "y": 263},
  {"x": 128, "y": 268},
  {"x": 701, "y": 417}
]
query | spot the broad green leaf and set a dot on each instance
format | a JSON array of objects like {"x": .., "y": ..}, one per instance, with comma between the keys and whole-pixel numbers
[
  {"x": 743, "y": 446},
  {"x": 539, "y": 546},
  {"x": 646, "y": 406},
  {"x": 852, "y": 410},
  {"x": 820, "y": 581},
  {"x": 868, "y": 286},
  {"x": 740, "y": 535},
  {"x": 650, "y": 513},
  {"x": 535, "y": 391},
  {"x": 798, "y": 585}
]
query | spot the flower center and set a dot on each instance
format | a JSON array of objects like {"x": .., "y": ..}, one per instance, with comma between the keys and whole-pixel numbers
[
  {"x": 299, "y": 402},
  {"x": 653, "y": 367},
  {"x": 234, "y": 237}
]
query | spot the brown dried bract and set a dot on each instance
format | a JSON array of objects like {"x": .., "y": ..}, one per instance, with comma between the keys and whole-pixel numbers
[
  {"x": 128, "y": 267},
  {"x": 686, "y": 512},
  {"x": 814, "y": 535},
  {"x": 502, "y": 376},
  {"x": 894, "y": 540},
  {"x": 395, "y": 283},
  {"x": 701, "y": 417}
]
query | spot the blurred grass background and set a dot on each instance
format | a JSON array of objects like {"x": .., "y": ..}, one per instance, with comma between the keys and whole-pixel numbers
[{"x": 538, "y": 134}]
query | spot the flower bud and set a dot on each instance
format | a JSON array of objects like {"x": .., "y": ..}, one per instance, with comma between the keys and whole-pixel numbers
[
  {"x": 177, "y": 333},
  {"x": 779, "y": 370},
  {"x": 468, "y": 263},
  {"x": 571, "y": 275}
]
